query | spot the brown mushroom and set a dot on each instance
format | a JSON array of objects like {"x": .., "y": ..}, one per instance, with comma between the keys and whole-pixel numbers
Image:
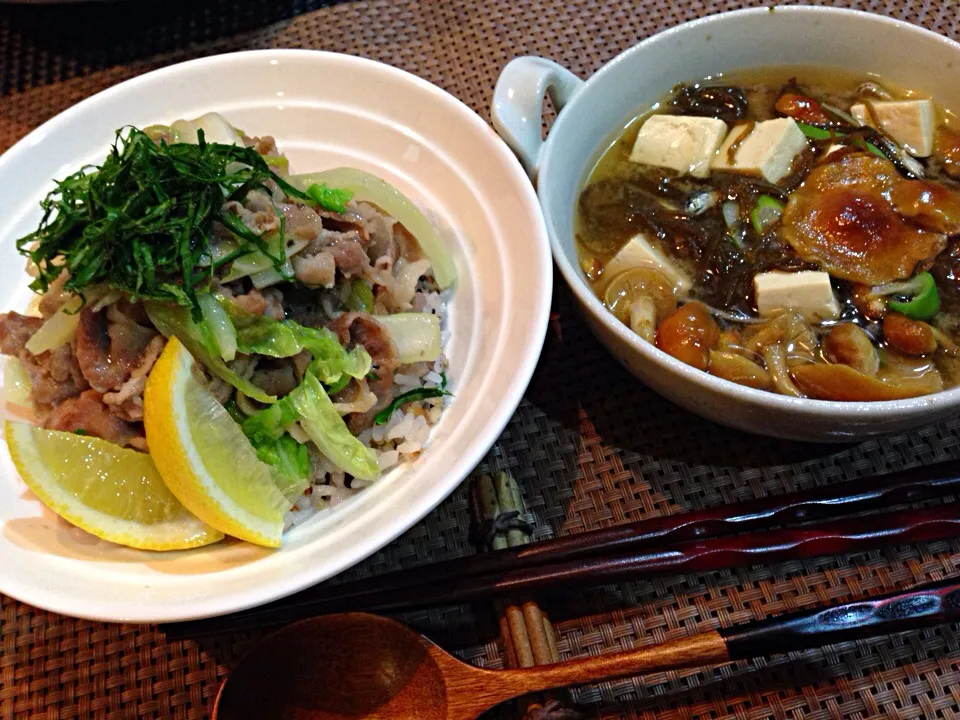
[
  {"x": 872, "y": 307},
  {"x": 688, "y": 334},
  {"x": 788, "y": 329},
  {"x": 738, "y": 369},
  {"x": 824, "y": 381},
  {"x": 908, "y": 336},
  {"x": 848, "y": 344},
  {"x": 638, "y": 282},
  {"x": 841, "y": 219},
  {"x": 802, "y": 108},
  {"x": 643, "y": 318},
  {"x": 731, "y": 339}
]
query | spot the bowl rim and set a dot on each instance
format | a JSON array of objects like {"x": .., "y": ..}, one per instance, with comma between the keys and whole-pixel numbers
[
  {"x": 458, "y": 468},
  {"x": 869, "y": 410}
]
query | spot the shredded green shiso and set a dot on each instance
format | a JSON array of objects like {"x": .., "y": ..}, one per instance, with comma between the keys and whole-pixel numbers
[
  {"x": 141, "y": 222},
  {"x": 424, "y": 393}
]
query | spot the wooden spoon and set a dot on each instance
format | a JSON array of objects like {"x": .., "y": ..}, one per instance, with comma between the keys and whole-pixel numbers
[{"x": 364, "y": 666}]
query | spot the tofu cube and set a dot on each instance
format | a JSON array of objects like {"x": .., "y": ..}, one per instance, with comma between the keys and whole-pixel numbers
[
  {"x": 910, "y": 123},
  {"x": 807, "y": 292},
  {"x": 684, "y": 144},
  {"x": 640, "y": 252},
  {"x": 768, "y": 150}
]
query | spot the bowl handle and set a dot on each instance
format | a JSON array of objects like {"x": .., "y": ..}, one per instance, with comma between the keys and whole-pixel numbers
[{"x": 518, "y": 104}]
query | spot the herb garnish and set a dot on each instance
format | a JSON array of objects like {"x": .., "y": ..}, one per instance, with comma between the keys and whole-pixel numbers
[
  {"x": 425, "y": 393},
  {"x": 141, "y": 222}
]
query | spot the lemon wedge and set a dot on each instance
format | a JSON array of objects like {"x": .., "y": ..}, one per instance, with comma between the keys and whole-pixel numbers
[
  {"x": 204, "y": 457},
  {"x": 109, "y": 491}
]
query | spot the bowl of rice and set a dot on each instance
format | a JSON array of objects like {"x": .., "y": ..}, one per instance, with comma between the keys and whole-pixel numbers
[{"x": 365, "y": 364}]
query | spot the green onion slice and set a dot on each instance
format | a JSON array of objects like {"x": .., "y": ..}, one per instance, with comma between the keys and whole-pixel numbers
[
  {"x": 766, "y": 213},
  {"x": 925, "y": 302}
]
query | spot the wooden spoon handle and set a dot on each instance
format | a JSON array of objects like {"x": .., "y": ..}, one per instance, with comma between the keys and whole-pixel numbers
[
  {"x": 471, "y": 693},
  {"x": 707, "y": 648},
  {"x": 920, "y": 607}
]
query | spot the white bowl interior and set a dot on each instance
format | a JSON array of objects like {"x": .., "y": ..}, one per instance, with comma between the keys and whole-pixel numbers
[
  {"x": 408, "y": 132},
  {"x": 894, "y": 51}
]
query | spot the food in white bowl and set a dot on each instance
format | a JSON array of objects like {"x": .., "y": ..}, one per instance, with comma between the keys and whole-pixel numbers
[
  {"x": 468, "y": 185},
  {"x": 789, "y": 230},
  {"x": 752, "y": 283},
  {"x": 273, "y": 342}
]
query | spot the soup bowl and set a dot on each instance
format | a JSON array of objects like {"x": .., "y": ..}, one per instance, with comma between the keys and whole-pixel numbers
[{"x": 594, "y": 113}]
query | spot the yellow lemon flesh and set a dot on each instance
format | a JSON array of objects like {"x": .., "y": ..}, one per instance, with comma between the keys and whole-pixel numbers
[
  {"x": 109, "y": 491},
  {"x": 204, "y": 457}
]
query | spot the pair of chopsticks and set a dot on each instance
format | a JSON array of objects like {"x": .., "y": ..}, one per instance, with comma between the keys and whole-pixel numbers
[{"x": 773, "y": 529}]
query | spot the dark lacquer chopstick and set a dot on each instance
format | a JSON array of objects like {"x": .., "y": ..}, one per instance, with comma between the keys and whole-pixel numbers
[
  {"x": 827, "y": 501},
  {"x": 837, "y": 536},
  {"x": 919, "y": 607}
]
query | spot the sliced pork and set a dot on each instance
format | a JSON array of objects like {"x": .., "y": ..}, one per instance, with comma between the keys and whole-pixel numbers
[
  {"x": 345, "y": 222},
  {"x": 127, "y": 402},
  {"x": 15, "y": 330},
  {"x": 275, "y": 376},
  {"x": 318, "y": 270},
  {"x": 54, "y": 375},
  {"x": 109, "y": 346},
  {"x": 355, "y": 328},
  {"x": 55, "y": 296},
  {"x": 269, "y": 302},
  {"x": 348, "y": 252},
  {"x": 256, "y": 212},
  {"x": 383, "y": 241},
  {"x": 89, "y": 414}
]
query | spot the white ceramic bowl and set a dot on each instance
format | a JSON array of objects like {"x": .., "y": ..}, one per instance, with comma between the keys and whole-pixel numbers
[
  {"x": 595, "y": 112},
  {"x": 325, "y": 110}
]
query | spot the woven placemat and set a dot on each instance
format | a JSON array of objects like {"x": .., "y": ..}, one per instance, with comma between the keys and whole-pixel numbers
[{"x": 590, "y": 445}]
